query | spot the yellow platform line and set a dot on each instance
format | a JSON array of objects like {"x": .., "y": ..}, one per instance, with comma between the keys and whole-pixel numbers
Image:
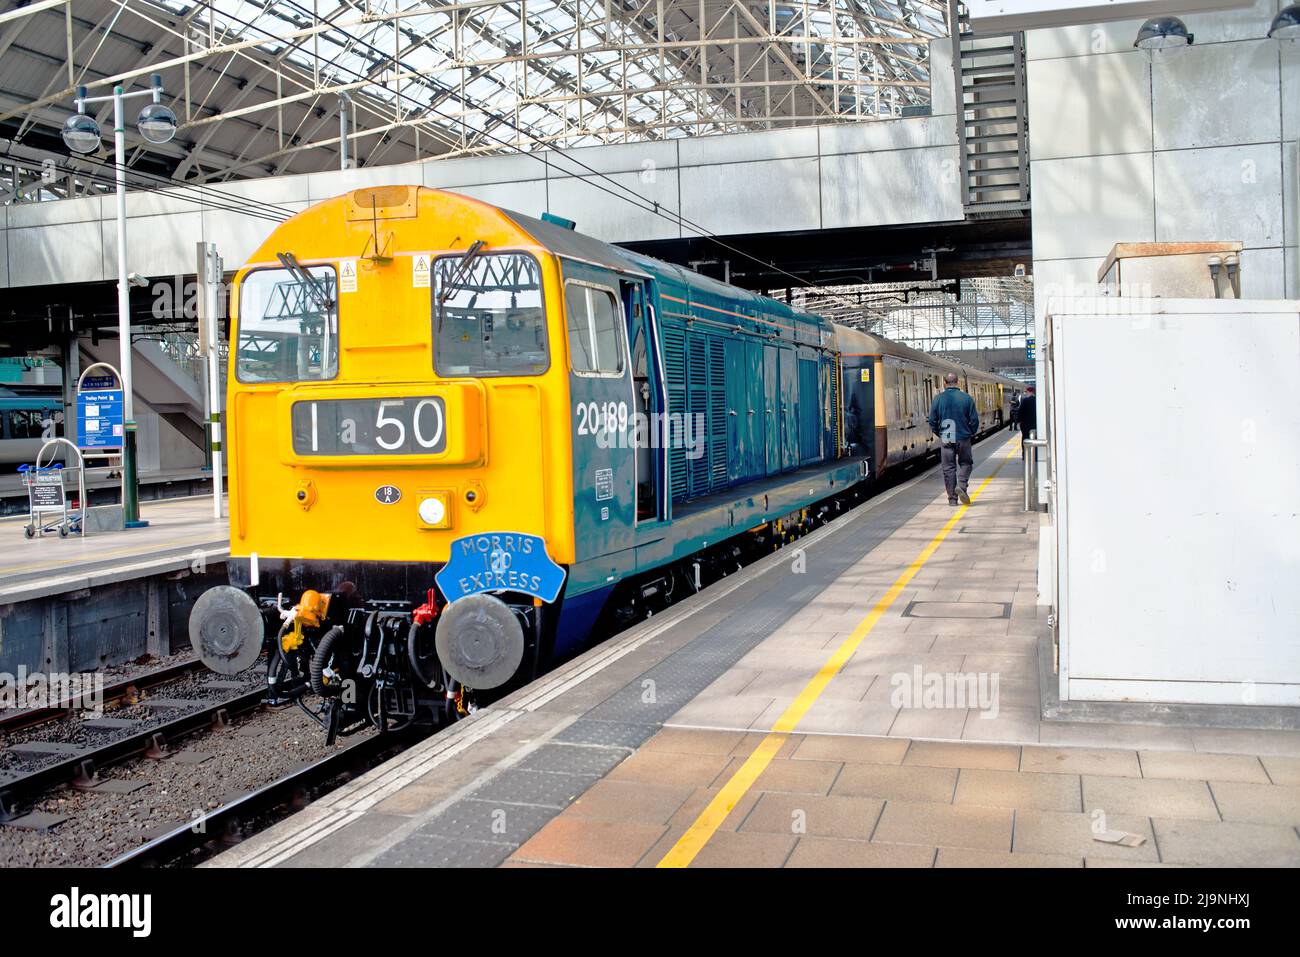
[{"x": 702, "y": 829}]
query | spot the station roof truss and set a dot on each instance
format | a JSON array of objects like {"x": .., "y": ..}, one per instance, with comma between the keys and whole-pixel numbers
[{"x": 258, "y": 85}]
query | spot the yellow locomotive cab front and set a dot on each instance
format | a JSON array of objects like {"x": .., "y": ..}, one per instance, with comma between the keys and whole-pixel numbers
[
  {"x": 405, "y": 390},
  {"x": 400, "y": 451}
]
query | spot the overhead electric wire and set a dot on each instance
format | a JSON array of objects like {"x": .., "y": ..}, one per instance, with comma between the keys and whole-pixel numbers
[
  {"x": 229, "y": 205},
  {"x": 203, "y": 189}
]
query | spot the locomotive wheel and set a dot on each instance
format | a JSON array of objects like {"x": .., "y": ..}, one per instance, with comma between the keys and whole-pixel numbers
[{"x": 480, "y": 641}]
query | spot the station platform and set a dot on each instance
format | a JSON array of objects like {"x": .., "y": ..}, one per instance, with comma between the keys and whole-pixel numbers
[
  {"x": 181, "y": 532},
  {"x": 104, "y": 487},
  {"x": 810, "y": 711}
]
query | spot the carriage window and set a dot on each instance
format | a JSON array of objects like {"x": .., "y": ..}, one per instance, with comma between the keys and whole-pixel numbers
[
  {"x": 489, "y": 318},
  {"x": 593, "y": 324},
  {"x": 288, "y": 327},
  {"x": 29, "y": 424}
]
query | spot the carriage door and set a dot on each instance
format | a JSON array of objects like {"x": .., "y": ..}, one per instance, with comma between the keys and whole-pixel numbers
[{"x": 603, "y": 408}]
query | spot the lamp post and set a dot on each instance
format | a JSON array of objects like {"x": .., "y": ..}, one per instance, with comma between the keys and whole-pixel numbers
[{"x": 157, "y": 124}]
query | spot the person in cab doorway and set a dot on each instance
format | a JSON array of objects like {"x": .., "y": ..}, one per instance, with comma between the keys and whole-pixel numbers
[{"x": 955, "y": 420}]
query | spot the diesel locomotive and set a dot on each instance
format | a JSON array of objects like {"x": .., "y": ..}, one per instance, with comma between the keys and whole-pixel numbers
[{"x": 465, "y": 443}]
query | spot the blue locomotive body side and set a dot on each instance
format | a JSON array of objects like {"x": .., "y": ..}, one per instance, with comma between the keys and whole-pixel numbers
[{"x": 736, "y": 396}]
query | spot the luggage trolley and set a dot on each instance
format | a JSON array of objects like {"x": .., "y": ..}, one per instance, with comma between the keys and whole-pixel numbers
[{"x": 47, "y": 495}]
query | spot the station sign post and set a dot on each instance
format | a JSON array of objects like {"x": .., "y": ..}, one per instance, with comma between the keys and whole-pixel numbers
[
  {"x": 210, "y": 272},
  {"x": 102, "y": 429}
]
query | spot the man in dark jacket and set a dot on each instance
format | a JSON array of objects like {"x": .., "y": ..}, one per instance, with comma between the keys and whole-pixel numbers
[
  {"x": 954, "y": 418},
  {"x": 1028, "y": 415}
]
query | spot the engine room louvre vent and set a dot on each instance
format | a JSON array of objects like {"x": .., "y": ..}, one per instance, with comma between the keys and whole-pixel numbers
[
  {"x": 718, "y": 447},
  {"x": 698, "y": 385},
  {"x": 383, "y": 202},
  {"x": 675, "y": 372}
]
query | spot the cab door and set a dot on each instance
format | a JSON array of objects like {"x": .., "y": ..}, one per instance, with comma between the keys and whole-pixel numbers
[
  {"x": 647, "y": 399},
  {"x": 603, "y": 410}
]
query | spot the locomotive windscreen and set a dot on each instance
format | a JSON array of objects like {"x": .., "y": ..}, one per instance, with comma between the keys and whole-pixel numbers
[
  {"x": 488, "y": 316},
  {"x": 288, "y": 329}
]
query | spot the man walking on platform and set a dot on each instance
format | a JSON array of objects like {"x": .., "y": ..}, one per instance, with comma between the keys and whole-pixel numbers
[
  {"x": 954, "y": 418},
  {"x": 1028, "y": 413}
]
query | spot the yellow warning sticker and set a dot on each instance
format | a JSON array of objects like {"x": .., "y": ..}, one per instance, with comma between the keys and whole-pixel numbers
[
  {"x": 347, "y": 275},
  {"x": 866, "y": 375},
  {"x": 420, "y": 271}
]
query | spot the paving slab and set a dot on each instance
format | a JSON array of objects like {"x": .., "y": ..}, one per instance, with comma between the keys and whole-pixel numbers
[
  {"x": 852, "y": 748},
  {"x": 969, "y": 858},
  {"x": 1113, "y": 763},
  {"x": 1227, "y": 843},
  {"x": 823, "y": 852},
  {"x": 1019, "y": 789},
  {"x": 845, "y": 818},
  {"x": 694, "y": 741},
  {"x": 982, "y": 828},
  {"x": 671, "y": 768},
  {"x": 1281, "y": 770},
  {"x": 632, "y": 801},
  {"x": 1257, "y": 803},
  {"x": 945, "y": 755},
  {"x": 1071, "y": 834},
  {"x": 569, "y": 839},
  {"x": 1149, "y": 797},
  {"x": 1197, "y": 766},
  {"x": 896, "y": 783}
]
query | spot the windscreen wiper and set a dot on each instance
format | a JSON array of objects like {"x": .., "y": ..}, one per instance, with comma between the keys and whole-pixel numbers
[
  {"x": 462, "y": 272},
  {"x": 315, "y": 288}
]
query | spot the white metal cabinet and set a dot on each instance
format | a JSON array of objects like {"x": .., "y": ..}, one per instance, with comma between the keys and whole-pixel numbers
[{"x": 1176, "y": 493}]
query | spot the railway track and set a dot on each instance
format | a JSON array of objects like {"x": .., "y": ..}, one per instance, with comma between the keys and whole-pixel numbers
[
  {"x": 227, "y": 824},
  {"x": 80, "y": 766},
  {"x": 114, "y": 693}
]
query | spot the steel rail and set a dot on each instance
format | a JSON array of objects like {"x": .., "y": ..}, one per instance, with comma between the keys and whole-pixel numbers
[
  {"x": 220, "y": 823},
  {"x": 21, "y": 788},
  {"x": 30, "y": 717}
]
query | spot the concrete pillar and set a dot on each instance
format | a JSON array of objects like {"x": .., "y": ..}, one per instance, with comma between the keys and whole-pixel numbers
[
  {"x": 158, "y": 637},
  {"x": 54, "y": 650},
  {"x": 71, "y": 372}
]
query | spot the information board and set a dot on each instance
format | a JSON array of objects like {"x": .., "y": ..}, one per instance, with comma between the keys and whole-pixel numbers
[
  {"x": 46, "y": 491},
  {"x": 99, "y": 419}
]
